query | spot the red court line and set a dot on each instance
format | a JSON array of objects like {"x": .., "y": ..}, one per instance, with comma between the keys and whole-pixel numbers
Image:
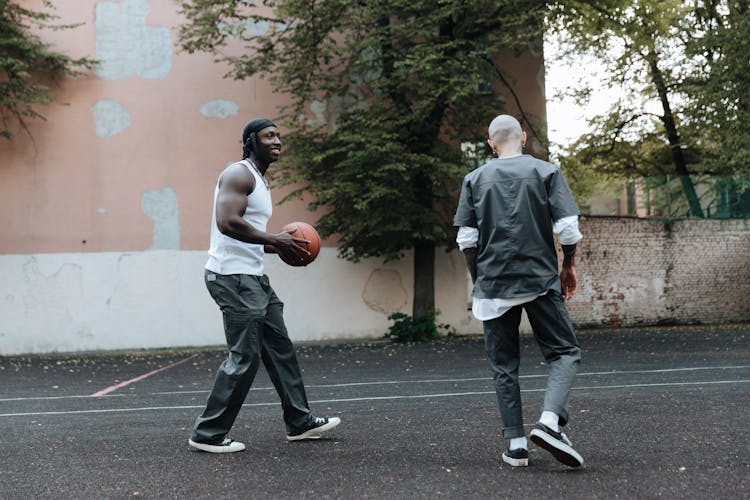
[{"x": 113, "y": 388}]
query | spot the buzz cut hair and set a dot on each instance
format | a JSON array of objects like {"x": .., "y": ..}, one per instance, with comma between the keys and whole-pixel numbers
[{"x": 505, "y": 128}]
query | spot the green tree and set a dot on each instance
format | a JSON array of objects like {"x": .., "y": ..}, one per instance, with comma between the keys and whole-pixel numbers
[
  {"x": 26, "y": 62},
  {"x": 718, "y": 108},
  {"x": 382, "y": 92},
  {"x": 681, "y": 68},
  {"x": 642, "y": 45}
]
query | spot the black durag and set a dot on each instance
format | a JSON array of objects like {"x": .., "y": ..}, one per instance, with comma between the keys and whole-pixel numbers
[{"x": 249, "y": 134}]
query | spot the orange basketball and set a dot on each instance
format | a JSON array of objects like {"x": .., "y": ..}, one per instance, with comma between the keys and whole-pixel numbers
[{"x": 306, "y": 232}]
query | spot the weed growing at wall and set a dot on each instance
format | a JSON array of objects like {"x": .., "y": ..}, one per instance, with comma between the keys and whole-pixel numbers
[{"x": 407, "y": 329}]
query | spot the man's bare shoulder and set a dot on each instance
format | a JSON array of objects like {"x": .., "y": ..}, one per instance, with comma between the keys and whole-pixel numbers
[{"x": 236, "y": 177}]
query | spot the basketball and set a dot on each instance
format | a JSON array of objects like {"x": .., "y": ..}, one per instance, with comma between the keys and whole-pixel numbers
[{"x": 306, "y": 232}]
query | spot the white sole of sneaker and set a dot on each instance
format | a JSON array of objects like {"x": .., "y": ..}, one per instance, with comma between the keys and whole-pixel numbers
[
  {"x": 515, "y": 462},
  {"x": 317, "y": 431},
  {"x": 212, "y": 448},
  {"x": 561, "y": 451}
]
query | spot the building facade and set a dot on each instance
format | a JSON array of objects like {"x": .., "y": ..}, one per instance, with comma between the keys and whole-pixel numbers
[{"x": 105, "y": 208}]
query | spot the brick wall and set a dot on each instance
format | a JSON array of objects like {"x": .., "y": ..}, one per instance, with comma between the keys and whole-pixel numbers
[{"x": 645, "y": 272}]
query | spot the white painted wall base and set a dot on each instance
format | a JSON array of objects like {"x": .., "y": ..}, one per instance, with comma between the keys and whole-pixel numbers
[{"x": 132, "y": 300}]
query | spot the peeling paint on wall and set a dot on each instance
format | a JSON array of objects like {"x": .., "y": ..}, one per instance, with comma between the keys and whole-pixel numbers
[
  {"x": 126, "y": 46},
  {"x": 45, "y": 295},
  {"x": 219, "y": 108},
  {"x": 384, "y": 291},
  {"x": 161, "y": 206},
  {"x": 110, "y": 117},
  {"x": 248, "y": 27},
  {"x": 318, "y": 108}
]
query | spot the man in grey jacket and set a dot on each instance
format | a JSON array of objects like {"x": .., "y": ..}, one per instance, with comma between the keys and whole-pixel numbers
[{"x": 508, "y": 210}]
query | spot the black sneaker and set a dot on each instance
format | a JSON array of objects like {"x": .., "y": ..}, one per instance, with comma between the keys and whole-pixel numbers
[
  {"x": 516, "y": 458},
  {"x": 556, "y": 443},
  {"x": 226, "y": 446},
  {"x": 313, "y": 431}
]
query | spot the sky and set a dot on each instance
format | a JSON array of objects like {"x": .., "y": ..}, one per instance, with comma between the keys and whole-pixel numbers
[{"x": 566, "y": 120}]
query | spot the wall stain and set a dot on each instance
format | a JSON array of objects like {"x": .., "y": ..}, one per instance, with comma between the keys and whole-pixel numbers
[
  {"x": 126, "y": 46},
  {"x": 384, "y": 291},
  {"x": 219, "y": 108},
  {"x": 110, "y": 117},
  {"x": 161, "y": 206}
]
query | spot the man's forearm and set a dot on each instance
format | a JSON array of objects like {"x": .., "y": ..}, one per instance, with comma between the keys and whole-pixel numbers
[
  {"x": 569, "y": 255},
  {"x": 471, "y": 262}
]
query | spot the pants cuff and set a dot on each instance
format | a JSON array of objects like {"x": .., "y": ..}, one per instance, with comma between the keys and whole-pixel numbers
[{"x": 513, "y": 432}]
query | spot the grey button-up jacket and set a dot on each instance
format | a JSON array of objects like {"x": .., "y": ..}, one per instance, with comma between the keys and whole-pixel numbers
[{"x": 514, "y": 203}]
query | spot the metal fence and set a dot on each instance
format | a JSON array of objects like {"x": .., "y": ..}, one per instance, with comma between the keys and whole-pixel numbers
[{"x": 725, "y": 197}]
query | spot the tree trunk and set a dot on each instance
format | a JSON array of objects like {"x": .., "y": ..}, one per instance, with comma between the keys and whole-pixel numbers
[
  {"x": 678, "y": 158},
  {"x": 424, "y": 140},
  {"x": 424, "y": 279}
]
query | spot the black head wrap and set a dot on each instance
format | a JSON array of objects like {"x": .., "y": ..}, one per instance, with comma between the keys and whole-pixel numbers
[{"x": 249, "y": 133}]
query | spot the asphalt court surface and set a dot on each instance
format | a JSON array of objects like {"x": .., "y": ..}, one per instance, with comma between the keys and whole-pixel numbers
[{"x": 655, "y": 412}]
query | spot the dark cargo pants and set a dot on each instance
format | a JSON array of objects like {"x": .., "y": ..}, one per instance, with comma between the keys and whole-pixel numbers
[
  {"x": 554, "y": 333},
  {"x": 254, "y": 329}
]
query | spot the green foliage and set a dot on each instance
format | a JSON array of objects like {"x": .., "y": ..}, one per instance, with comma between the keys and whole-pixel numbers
[
  {"x": 719, "y": 88},
  {"x": 407, "y": 329},
  {"x": 382, "y": 93},
  {"x": 375, "y": 193},
  {"x": 26, "y": 62},
  {"x": 681, "y": 68}
]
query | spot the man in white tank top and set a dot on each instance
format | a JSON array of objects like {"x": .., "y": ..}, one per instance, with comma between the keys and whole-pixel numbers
[{"x": 253, "y": 314}]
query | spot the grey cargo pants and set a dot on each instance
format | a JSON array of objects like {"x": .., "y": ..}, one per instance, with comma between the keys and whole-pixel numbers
[
  {"x": 254, "y": 329},
  {"x": 554, "y": 333}
]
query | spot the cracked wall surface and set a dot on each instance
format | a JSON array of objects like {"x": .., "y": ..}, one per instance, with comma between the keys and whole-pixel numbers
[{"x": 384, "y": 291}]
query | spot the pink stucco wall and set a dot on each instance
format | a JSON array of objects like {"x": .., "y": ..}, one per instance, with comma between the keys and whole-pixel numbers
[
  {"x": 104, "y": 214},
  {"x": 69, "y": 190}
]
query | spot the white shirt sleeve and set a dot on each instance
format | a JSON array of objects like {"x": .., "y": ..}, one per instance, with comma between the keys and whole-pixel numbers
[
  {"x": 567, "y": 231},
  {"x": 467, "y": 237}
]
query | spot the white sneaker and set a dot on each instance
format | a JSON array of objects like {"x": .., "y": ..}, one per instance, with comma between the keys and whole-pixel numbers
[
  {"x": 315, "y": 429},
  {"x": 226, "y": 446}
]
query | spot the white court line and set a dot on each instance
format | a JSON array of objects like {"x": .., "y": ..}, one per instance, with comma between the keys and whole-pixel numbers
[
  {"x": 49, "y": 398},
  {"x": 371, "y": 398},
  {"x": 474, "y": 379},
  {"x": 395, "y": 382}
]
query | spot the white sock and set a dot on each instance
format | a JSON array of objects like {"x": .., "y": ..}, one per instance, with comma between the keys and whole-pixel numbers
[
  {"x": 516, "y": 443},
  {"x": 550, "y": 419}
]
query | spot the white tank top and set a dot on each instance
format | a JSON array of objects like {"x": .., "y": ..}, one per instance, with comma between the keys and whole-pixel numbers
[{"x": 230, "y": 256}]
